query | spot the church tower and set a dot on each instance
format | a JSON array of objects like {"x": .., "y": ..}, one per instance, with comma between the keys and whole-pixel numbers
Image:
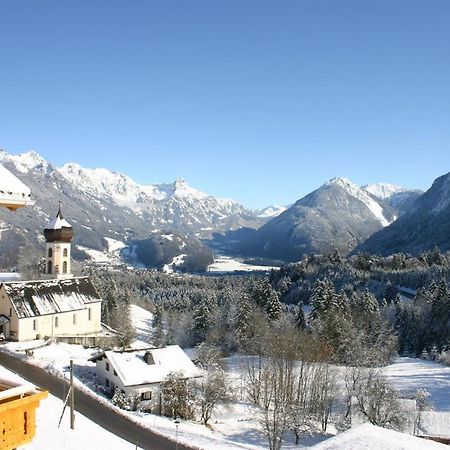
[{"x": 58, "y": 235}]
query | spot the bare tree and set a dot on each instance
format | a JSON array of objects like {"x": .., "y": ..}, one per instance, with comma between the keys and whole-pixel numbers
[
  {"x": 123, "y": 326},
  {"x": 322, "y": 392},
  {"x": 379, "y": 402},
  {"x": 278, "y": 381},
  {"x": 211, "y": 390},
  {"x": 178, "y": 397}
]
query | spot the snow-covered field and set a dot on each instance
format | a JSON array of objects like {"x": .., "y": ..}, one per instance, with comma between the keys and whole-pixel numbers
[
  {"x": 369, "y": 437},
  {"x": 223, "y": 264},
  {"x": 232, "y": 427},
  {"x": 142, "y": 322},
  {"x": 414, "y": 374}
]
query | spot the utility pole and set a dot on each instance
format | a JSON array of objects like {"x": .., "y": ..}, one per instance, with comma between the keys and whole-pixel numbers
[{"x": 72, "y": 398}]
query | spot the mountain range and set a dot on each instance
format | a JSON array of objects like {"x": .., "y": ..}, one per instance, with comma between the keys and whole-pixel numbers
[
  {"x": 103, "y": 205},
  {"x": 339, "y": 215},
  {"x": 111, "y": 213}
]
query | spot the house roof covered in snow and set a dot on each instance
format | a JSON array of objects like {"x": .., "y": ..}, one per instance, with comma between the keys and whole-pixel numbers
[
  {"x": 370, "y": 437},
  {"x": 13, "y": 193},
  {"x": 38, "y": 298},
  {"x": 434, "y": 424},
  {"x": 133, "y": 370}
]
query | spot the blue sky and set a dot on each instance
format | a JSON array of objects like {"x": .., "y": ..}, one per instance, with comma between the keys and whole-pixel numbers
[{"x": 254, "y": 100}]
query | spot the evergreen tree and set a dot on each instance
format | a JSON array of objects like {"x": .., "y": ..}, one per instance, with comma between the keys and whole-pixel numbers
[
  {"x": 242, "y": 321},
  {"x": 299, "y": 317},
  {"x": 202, "y": 319}
]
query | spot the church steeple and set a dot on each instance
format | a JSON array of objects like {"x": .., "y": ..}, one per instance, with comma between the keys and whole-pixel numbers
[{"x": 58, "y": 235}]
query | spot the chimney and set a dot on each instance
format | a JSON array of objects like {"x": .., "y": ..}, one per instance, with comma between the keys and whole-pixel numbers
[{"x": 148, "y": 358}]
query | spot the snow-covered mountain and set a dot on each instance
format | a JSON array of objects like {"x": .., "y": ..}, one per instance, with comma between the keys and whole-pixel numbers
[
  {"x": 425, "y": 225},
  {"x": 196, "y": 206},
  {"x": 271, "y": 211},
  {"x": 383, "y": 191},
  {"x": 338, "y": 215},
  {"x": 398, "y": 197},
  {"x": 103, "y": 205}
]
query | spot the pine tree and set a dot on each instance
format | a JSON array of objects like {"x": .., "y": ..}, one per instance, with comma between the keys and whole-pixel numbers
[
  {"x": 202, "y": 319},
  {"x": 273, "y": 306},
  {"x": 242, "y": 320},
  {"x": 299, "y": 317},
  {"x": 266, "y": 297},
  {"x": 323, "y": 299}
]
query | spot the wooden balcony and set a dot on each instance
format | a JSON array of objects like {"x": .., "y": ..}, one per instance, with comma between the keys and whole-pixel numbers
[{"x": 18, "y": 405}]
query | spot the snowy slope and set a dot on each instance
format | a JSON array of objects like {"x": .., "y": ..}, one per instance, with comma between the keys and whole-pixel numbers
[
  {"x": 355, "y": 191},
  {"x": 383, "y": 191},
  {"x": 271, "y": 211},
  {"x": 370, "y": 437}
]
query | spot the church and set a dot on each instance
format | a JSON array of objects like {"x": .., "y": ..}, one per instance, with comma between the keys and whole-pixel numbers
[{"x": 57, "y": 305}]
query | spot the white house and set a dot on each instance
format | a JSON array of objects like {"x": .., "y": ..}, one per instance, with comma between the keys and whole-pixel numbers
[
  {"x": 60, "y": 304},
  {"x": 141, "y": 372}
]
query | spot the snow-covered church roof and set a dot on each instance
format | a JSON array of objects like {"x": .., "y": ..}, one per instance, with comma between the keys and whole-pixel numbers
[
  {"x": 13, "y": 193},
  {"x": 38, "y": 298},
  {"x": 133, "y": 369}
]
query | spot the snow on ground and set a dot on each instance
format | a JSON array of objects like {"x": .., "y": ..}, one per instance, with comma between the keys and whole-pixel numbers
[
  {"x": 415, "y": 374},
  {"x": 236, "y": 426},
  {"x": 224, "y": 264},
  {"x": 370, "y": 437},
  {"x": 142, "y": 322},
  {"x": 114, "y": 245},
  {"x": 176, "y": 261},
  {"x": 96, "y": 255},
  {"x": 86, "y": 435}
]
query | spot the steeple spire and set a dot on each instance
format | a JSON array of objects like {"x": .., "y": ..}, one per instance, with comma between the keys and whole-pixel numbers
[
  {"x": 59, "y": 214},
  {"x": 58, "y": 235}
]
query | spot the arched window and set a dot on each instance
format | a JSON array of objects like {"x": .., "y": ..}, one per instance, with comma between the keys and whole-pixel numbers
[
  {"x": 49, "y": 267},
  {"x": 65, "y": 252},
  {"x": 50, "y": 252},
  {"x": 65, "y": 267}
]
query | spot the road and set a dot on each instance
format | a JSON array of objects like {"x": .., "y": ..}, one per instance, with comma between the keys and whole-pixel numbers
[{"x": 87, "y": 406}]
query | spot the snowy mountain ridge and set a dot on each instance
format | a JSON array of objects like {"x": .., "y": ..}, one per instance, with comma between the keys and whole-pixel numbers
[
  {"x": 362, "y": 195},
  {"x": 383, "y": 191},
  {"x": 157, "y": 203}
]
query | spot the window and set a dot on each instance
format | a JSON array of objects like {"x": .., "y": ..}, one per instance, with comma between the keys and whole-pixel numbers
[
  {"x": 65, "y": 252},
  {"x": 107, "y": 366},
  {"x": 34, "y": 324},
  {"x": 10, "y": 312},
  {"x": 74, "y": 319},
  {"x": 65, "y": 267},
  {"x": 56, "y": 322},
  {"x": 146, "y": 395},
  {"x": 89, "y": 314},
  {"x": 106, "y": 382},
  {"x": 115, "y": 373},
  {"x": 49, "y": 267},
  {"x": 50, "y": 252}
]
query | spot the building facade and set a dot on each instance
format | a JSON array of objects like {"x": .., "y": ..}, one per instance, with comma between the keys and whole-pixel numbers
[{"x": 58, "y": 305}]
